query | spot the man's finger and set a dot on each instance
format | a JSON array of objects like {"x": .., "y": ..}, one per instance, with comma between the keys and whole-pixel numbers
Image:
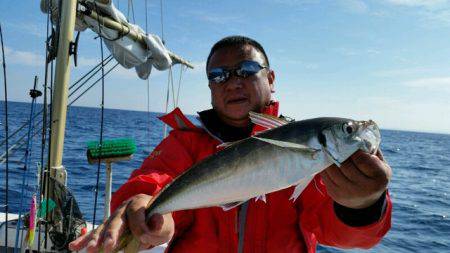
[
  {"x": 136, "y": 217},
  {"x": 115, "y": 228},
  {"x": 337, "y": 176},
  {"x": 369, "y": 165},
  {"x": 351, "y": 171},
  {"x": 156, "y": 222},
  {"x": 94, "y": 243},
  {"x": 80, "y": 242}
]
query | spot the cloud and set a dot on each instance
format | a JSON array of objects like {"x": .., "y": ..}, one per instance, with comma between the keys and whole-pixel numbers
[
  {"x": 123, "y": 73},
  {"x": 357, "y": 52},
  {"x": 354, "y": 6},
  {"x": 214, "y": 19},
  {"x": 35, "y": 29},
  {"x": 294, "y": 2},
  {"x": 440, "y": 16},
  {"x": 199, "y": 67},
  {"x": 416, "y": 3},
  {"x": 87, "y": 62},
  {"x": 432, "y": 83},
  {"x": 24, "y": 58}
]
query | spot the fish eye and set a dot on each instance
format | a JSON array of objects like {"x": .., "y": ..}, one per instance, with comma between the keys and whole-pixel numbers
[{"x": 349, "y": 128}]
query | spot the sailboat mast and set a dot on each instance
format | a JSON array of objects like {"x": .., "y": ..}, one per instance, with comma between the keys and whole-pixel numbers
[{"x": 62, "y": 76}]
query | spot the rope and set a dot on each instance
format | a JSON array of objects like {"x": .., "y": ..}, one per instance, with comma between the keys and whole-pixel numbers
[
  {"x": 101, "y": 126},
  {"x": 182, "y": 68},
  {"x": 167, "y": 105},
  {"x": 6, "y": 133},
  {"x": 173, "y": 88}
]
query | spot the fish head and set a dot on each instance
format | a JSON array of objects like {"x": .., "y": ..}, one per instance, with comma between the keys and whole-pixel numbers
[{"x": 346, "y": 136}]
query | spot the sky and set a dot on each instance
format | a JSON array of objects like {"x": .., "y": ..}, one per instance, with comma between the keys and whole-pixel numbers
[{"x": 386, "y": 60}]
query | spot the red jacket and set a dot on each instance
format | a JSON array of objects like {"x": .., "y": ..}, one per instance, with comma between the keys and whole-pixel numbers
[{"x": 279, "y": 225}]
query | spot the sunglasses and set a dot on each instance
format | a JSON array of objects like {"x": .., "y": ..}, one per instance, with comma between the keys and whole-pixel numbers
[{"x": 245, "y": 69}]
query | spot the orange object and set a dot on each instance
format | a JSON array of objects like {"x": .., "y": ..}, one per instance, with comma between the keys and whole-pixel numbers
[{"x": 84, "y": 231}]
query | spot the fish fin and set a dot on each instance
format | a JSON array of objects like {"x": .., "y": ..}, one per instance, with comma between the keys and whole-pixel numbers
[
  {"x": 261, "y": 197},
  {"x": 331, "y": 158},
  {"x": 231, "y": 205},
  {"x": 266, "y": 121},
  {"x": 301, "y": 185},
  {"x": 226, "y": 144},
  {"x": 285, "y": 144}
]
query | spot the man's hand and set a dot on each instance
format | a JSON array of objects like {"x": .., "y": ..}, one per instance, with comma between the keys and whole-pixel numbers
[
  {"x": 359, "y": 182},
  {"x": 130, "y": 215}
]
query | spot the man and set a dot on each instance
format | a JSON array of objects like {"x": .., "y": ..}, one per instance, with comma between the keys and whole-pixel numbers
[{"x": 343, "y": 207}]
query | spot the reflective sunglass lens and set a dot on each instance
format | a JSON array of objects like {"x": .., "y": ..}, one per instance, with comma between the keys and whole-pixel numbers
[
  {"x": 217, "y": 75},
  {"x": 248, "y": 68}
]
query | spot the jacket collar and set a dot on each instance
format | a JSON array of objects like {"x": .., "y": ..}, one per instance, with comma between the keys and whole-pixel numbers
[{"x": 226, "y": 133}]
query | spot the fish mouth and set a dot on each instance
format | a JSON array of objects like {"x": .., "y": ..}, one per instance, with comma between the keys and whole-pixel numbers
[{"x": 370, "y": 136}]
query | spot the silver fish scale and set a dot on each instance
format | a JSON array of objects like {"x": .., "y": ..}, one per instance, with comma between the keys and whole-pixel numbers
[{"x": 251, "y": 168}]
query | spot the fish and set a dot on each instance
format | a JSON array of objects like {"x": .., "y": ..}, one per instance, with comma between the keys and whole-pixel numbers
[{"x": 285, "y": 155}]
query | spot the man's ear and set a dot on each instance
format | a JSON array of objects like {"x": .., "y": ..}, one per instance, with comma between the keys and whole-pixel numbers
[{"x": 271, "y": 79}]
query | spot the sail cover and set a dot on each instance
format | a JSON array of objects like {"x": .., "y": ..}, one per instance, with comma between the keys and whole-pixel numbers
[{"x": 127, "y": 51}]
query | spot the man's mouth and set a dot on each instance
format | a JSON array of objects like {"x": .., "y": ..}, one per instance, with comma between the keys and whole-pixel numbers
[{"x": 237, "y": 100}]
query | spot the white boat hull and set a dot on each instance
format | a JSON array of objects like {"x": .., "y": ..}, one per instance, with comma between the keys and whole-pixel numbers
[{"x": 12, "y": 236}]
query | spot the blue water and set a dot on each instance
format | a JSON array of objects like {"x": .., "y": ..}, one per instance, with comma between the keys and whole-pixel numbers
[{"x": 420, "y": 187}]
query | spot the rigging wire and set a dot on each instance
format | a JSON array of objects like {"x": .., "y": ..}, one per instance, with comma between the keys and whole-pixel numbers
[
  {"x": 47, "y": 177},
  {"x": 171, "y": 84},
  {"x": 17, "y": 144},
  {"x": 167, "y": 102},
  {"x": 101, "y": 124},
  {"x": 107, "y": 60},
  {"x": 170, "y": 68},
  {"x": 182, "y": 69},
  {"x": 162, "y": 21},
  {"x": 90, "y": 77},
  {"x": 131, "y": 6},
  {"x": 98, "y": 80},
  {"x": 44, "y": 127},
  {"x": 25, "y": 168},
  {"x": 71, "y": 94},
  {"x": 6, "y": 134}
]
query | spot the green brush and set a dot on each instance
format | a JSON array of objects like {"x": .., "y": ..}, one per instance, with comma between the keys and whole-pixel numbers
[
  {"x": 111, "y": 151},
  {"x": 111, "y": 148}
]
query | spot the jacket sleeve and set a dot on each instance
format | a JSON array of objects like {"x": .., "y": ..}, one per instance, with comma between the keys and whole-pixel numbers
[
  {"x": 318, "y": 217},
  {"x": 169, "y": 159}
]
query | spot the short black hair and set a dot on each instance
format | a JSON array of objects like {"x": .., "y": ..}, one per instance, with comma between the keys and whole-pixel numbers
[{"x": 234, "y": 41}]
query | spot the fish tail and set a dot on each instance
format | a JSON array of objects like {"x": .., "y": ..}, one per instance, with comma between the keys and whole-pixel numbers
[
  {"x": 132, "y": 246},
  {"x": 128, "y": 243}
]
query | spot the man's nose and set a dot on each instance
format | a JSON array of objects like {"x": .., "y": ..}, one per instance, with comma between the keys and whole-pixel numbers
[{"x": 235, "y": 82}]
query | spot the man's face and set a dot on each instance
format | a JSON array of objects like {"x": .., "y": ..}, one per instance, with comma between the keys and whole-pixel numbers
[{"x": 236, "y": 97}]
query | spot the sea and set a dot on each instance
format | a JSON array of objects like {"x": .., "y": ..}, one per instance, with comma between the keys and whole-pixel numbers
[{"x": 420, "y": 186}]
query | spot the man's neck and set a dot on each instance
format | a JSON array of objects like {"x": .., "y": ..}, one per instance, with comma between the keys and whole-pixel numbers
[
  {"x": 223, "y": 130},
  {"x": 240, "y": 123}
]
